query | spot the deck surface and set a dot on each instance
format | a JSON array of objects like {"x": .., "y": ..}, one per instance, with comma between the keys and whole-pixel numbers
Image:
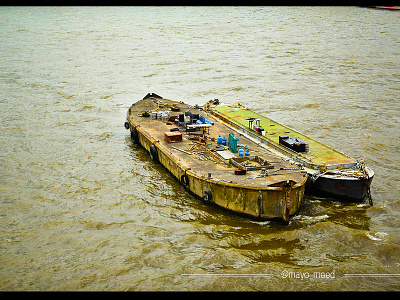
[
  {"x": 318, "y": 152},
  {"x": 197, "y": 163}
]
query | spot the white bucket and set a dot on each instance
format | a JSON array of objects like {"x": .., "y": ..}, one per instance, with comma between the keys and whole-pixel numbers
[{"x": 165, "y": 116}]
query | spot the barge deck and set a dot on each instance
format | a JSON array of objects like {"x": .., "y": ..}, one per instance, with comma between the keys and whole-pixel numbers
[
  {"x": 330, "y": 171},
  {"x": 261, "y": 186}
]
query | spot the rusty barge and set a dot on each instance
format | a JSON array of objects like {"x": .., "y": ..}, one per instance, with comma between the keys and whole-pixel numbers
[
  {"x": 215, "y": 163},
  {"x": 330, "y": 172}
]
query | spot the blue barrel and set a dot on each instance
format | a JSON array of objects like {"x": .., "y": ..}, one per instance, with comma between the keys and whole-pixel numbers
[{"x": 223, "y": 142}]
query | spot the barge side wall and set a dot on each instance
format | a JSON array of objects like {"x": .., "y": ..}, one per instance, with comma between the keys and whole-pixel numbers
[{"x": 264, "y": 203}]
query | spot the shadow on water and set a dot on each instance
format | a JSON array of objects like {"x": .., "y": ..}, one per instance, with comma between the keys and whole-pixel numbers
[
  {"x": 314, "y": 209},
  {"x": 310, "y": 239}
]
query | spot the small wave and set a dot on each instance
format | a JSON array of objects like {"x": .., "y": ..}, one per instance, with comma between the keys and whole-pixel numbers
[
  {"x": 97, "y": 225},
  {"x": 377, "y": 236},
  {"x": 239, "y": 88},
  {"x": 104, "y": 136},
  {"x": 310, "y": 219}
]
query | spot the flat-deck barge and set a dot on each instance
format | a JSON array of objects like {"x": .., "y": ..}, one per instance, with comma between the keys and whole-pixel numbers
[
  {"x": 331, "y": 172},
  {"x": 189, "y": 142}
]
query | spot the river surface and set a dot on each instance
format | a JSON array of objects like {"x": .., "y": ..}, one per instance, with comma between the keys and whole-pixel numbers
[{"x": 82, "y": 208}]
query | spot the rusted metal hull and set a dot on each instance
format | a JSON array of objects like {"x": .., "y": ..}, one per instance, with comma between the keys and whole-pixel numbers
[
  {"x": 330, "y": 171},
  {"x": 352, "y": 189},
  {"x": 277, "y": 197}
]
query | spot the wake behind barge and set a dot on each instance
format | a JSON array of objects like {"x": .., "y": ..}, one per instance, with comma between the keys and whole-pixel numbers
[{"x": 189, "y": 142}]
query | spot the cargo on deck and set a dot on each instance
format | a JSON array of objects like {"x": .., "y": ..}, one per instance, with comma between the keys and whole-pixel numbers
[
  {"x": 330, "y": 171},
  {"x": 214, "y": 162}
]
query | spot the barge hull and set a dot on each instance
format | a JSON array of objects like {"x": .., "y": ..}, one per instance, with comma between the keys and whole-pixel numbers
[
  {"x": 257, "y": 201},
  {"x": 347, "y": 189},
  {"x": 263, "y": 204},
  {"x": 342, "y": 187}
]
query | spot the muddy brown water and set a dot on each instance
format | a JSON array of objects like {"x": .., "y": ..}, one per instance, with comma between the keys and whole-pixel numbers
[{"x": 82, "y": 208}]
